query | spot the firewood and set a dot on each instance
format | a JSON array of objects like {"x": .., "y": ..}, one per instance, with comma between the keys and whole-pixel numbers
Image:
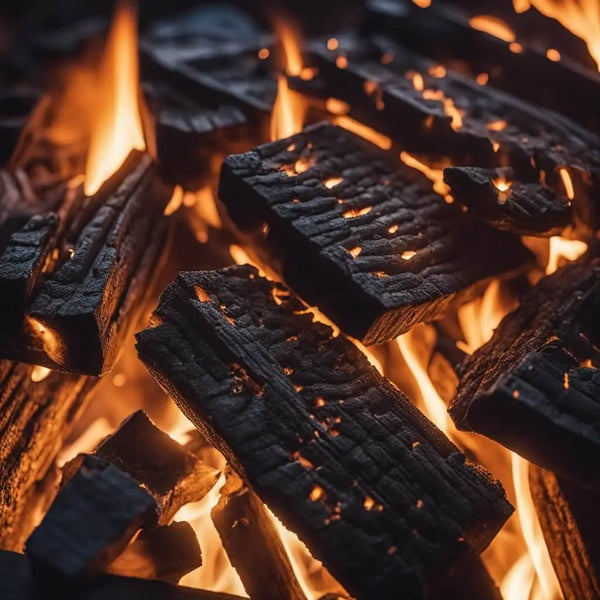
[
  {"x": 92, "y": 292},
  {"x": 253, "y": 544},
  {"x": 534, "y": 386},
  {"x": 454, "y": 118},
  {"x": 569, "y": 520},
  {"x": 522, "y": 208},
  {"x": 443, "y": 33},
  {"x": 163, "y": 467},
  {"x": 378, "y": 494},
  {"x": 36, "y": 417},
  {"x": 362, "y": 237},
  {"x": 167, "y": 553},
  {"x": 94, "y": 516}
]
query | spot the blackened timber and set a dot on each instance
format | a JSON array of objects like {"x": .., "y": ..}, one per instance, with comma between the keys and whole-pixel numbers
[
  {"x": 521, "y": 208},
  {"x": 94, "y": 516},
  {"x": 107, "y": 258},
  {"x": 400, "y": 94},
  {"x": 168, "y": 471},
  {"x": 534, "y": 387},
  {"x": 37, "y": 410},
  {"x": 569, "y": 520},
  {"x": 444, "y": 33},
  {"x": 378, "y": 494},
  {"x": 253, "y": 545},
  {"x": 361, "y": 236}
]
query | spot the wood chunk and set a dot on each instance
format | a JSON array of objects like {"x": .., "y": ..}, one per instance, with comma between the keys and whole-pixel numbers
[
  {"x": 94, "y": 289},
  {"x": 522, "y": 208},
  {"x": 253, "y": 544},
  {"x": 37, "y": 411},
  {"x": 360, "y": 236},
  {"x": 443, "y": 33},
  {"x": 167, "y": 553},
  {"x": 534, "y": 387},
  {"x": 92, "y": 519},
  {"x": 378, "y": 494},
  {"x": 454, "y": 118},
  {"x": 163, "y": 467},
  {"x": 569, "y": 520}
]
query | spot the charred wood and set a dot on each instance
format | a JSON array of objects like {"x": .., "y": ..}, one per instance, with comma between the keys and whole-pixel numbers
[
  {"x": 94, "y": 516},
  {"x": 362, "y": 237},
  {"x": 521, "y": 208},
  {"x": 253, "y": 544},
  {"x": 378, "y": 494},
  {"x": 534, "y": 387}
]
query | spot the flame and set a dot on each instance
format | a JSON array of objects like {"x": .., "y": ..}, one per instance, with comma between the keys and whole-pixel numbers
[
  {"x": 567, "y": 182},
  {"x": 562, "y": 248},
  {"x": 39, "y": 373},
  {"x": 518, "y": 582},
  {"x": 383, "y": 141},
  {"x": 117, "y": 126},
  {"x": 494, "y": 26},
  {"x": 436, "y": 176}
]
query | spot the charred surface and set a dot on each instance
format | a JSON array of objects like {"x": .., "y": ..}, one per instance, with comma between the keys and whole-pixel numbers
[
  {"x": 523, "y": 208},
  {"x": 363, "y": 238},
  {"x": 534, "y": 386},
  {"x": 339, "y": 454}
]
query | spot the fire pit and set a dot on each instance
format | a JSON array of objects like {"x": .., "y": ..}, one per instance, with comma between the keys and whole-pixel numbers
[{"x": 300, "y": 303}]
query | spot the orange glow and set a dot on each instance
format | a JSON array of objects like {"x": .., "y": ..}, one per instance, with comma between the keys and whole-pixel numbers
[
  {"x": 553, "y": 54},
  {"x": 515, "y": 47},
  {"x": 568, "y": 183},
  {"x": 39, "y": 373},
  {"x": 436, "y": 176},
  {"x": 363, "y": 131},
  {"x": 497, "y": 125},
  {"x": 51, "y": 341},
  {"x": 87, "y": 441},
  {"x": 422, "y": 3},
  {"x": 117, "y": 128},
  {"x": 337, "y": 107},
  {"x": 449, "y": 107},
  {"x": 176, "y": 201},
  {"x": 518, "y": 582},
  {"x": 494, "y": 26},
  {"x": 563, "y": 249},
  {"x": 482, "y": 78}
]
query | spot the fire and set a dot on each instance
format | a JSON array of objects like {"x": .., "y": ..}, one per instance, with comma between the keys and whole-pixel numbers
[
  {"x": 422, "y": 3},
  {"x": 562, "y": 248},
  {"x": 436, "y": 176},
  {"x": 117, "y": 127},
  {"x": 568, "y": 183},
  {"x": 383, "y": 141},
  {"x": 494, "y": 26}
]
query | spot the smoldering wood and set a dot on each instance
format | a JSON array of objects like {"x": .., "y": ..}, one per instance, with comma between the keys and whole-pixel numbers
[
  {"x": 253, "y": 545},
  {"x": 168, "y": 471},
  {"x": 569, "y": 520},
  {"x": 93, "y": 517},
  {"x": 524, "y": 209},
  {"x": 443, "y": 33},
  {"x": 377, "y": 252},
  {"x": 166, "y": 553},
  {"x": 454, "y": 118},
  {"x": 444, "y": 363},
  {"x": 378, "y": 494},
  {"x": 534, "y": 387},
  {"x": 101, "y": 272},
  {"x": 36, "y": 418}
]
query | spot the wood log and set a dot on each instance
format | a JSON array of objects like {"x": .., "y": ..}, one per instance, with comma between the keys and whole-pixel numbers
[
  {"x": 454, "y": 118},
  {"x": 378, "y": 494},
  {"x": 163, "y": 467},
  {"x": 166, "y": 553},
  {"x": 253, "y": 544},
  {"x": 534, "y": 386},
  {"x": 360, "y": 236},
  {"x": 523, "y": 208},
  {"x": 94, "y": 516},
  {"x": 36, "y": 415},
  {"x": 93, "y": 290},
  {"x": 569, "y": 520},
  {"x": 443, "y": 33}
]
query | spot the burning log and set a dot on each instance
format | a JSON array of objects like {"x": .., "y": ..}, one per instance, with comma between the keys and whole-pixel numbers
[
  {"x": 253, "y": 544},
  {"x": 90, "y": 522},
  {"x": 521, "y": 208},
  {"x": 167, "y": 553},
  {"x": 171, "y": 474},
  {"x": 569, "y": 520},
  {"x": 38, "y": 409},
  {"x": 404, "y": 96},
  {"x": 534, "y": 387},
  {"x": 99, "y": 274},
  {"x": 355, "y": 229},
  {"x": 444, "y": 33},
  {"x": 338, "y": 453}
]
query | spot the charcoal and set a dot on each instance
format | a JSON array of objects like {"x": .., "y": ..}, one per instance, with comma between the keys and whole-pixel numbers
[
  {"x": 360, "y": 236},
  {"x": 378, "y": 494}
]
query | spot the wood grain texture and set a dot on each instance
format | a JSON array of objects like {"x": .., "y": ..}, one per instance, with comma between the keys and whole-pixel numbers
[
  {"x": 377, "y": 252},
  {"x": 534, "y": 387},
  {"x": 378, "y": 494}
]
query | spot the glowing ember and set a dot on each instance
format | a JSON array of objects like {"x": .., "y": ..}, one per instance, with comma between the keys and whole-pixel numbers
[
  {"x": 408, "y": 254},
  {"x": 117, "y": 127},
  {"x": 563, "y": 249},
  {"x": 449, "y": 107},
  {"x": 436, "y": 176},
  {"x": 422, "y": 3},
  {"x": 515, "y": 47},
  {"x": 553, "y": 54},
  {"x": 497, "y": 125},
  {"x": 568, "y": 183},
  {"x": 39, "y": 373},
  {"x": 366, "y": 132},
  {"x": 337, "y": 107},
  {"x": 494, "y": 26}
]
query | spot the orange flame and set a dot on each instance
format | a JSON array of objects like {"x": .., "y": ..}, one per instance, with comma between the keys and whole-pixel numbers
[
  {"x": 117, "y": 127},
  {"x": 494, "y": 26},
  {"x": 563, "y": 249}
]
